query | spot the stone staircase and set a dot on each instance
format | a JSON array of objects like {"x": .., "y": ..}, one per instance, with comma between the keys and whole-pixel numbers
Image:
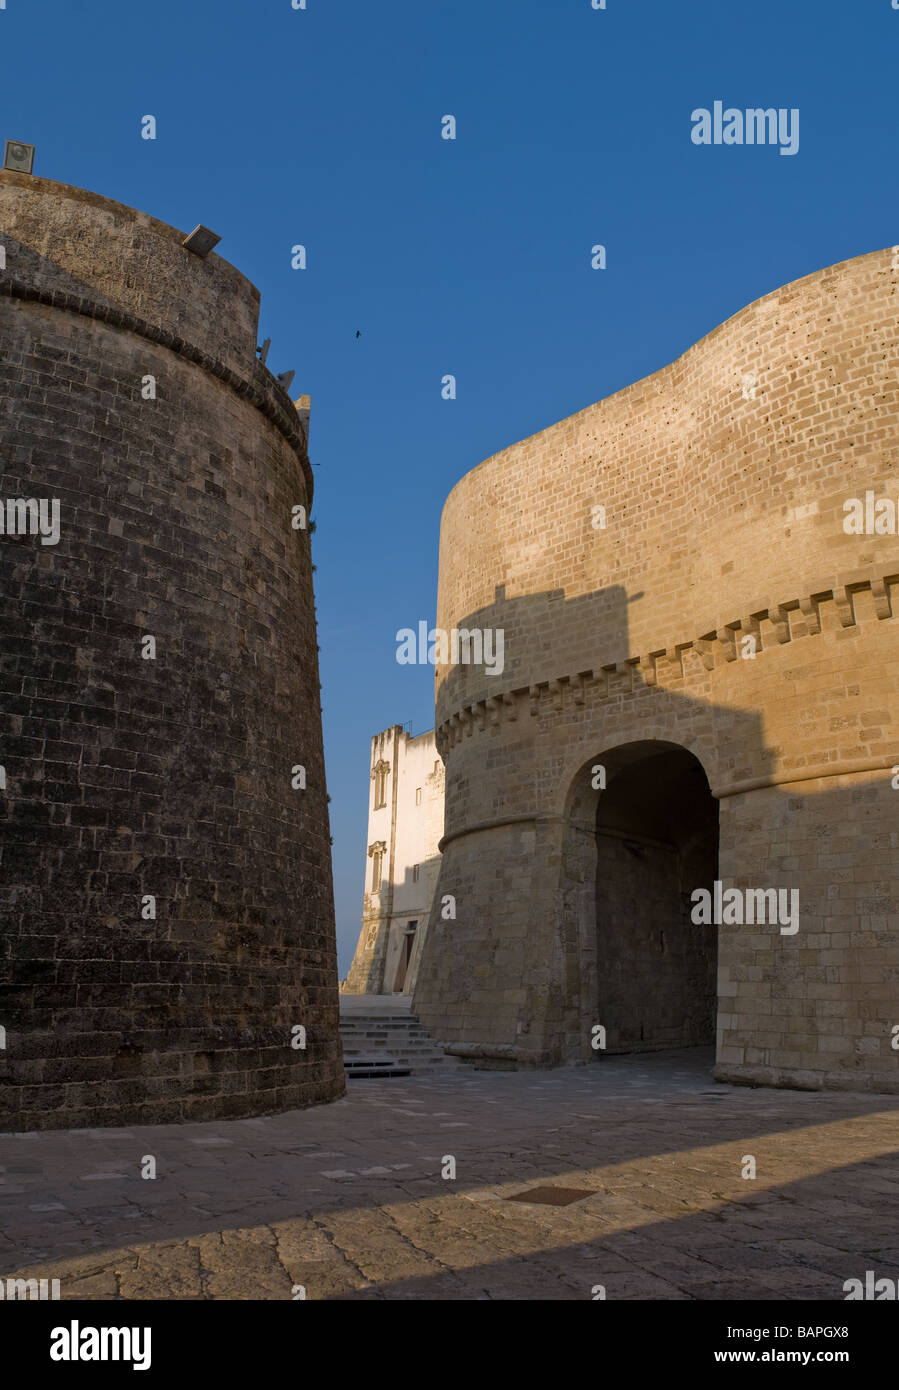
[{"x": 390, "y": 1044}]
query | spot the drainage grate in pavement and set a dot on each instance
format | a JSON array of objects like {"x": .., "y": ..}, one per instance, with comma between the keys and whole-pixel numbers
[{"x": 552, "y": 1196}]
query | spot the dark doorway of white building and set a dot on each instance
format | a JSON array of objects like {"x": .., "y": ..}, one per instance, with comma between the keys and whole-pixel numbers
[{"x": 405, "y": 956}]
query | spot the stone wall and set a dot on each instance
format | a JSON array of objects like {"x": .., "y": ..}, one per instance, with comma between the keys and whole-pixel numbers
[
  {"x": 130, "y": 778},
  {"x": 670, "y": 569}
]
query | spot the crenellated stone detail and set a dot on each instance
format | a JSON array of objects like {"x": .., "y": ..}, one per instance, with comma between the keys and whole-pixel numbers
[{"x": 782, "y": 623}]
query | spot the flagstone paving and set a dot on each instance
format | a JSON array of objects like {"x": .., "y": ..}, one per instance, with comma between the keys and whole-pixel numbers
[{"x": 350, "y": 1201}]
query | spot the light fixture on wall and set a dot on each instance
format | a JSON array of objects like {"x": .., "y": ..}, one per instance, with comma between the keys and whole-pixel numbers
[
  {"x": 18, "y": 156},
  {"x": 201, "y": 241}
]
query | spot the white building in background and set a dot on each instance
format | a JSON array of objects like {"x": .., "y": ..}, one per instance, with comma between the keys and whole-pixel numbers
[{"x": 405, "y": 825}]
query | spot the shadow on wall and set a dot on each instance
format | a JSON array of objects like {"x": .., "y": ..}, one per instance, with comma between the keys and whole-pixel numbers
[
  {"x": 388, "y": 954},
  {"x": 580, "y": 822}
]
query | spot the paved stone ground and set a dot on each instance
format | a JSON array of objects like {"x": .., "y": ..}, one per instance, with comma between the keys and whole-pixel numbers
[{"x": 348, "y": 1199}]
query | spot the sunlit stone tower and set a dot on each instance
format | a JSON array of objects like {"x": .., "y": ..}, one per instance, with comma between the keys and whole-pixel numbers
[{"x": 701, "y": 686}]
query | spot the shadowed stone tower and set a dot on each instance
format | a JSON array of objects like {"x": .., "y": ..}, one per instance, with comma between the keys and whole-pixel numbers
[
  {"x": 684, "y": 607},
  {"x": 166, "y": 906}
]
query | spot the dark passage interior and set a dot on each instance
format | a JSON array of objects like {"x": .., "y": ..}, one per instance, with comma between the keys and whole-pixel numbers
[{"x": 656, "y": 841}]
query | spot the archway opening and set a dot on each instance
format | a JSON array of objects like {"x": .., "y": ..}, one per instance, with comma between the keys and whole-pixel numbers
[{"x": 656, "y": 841}]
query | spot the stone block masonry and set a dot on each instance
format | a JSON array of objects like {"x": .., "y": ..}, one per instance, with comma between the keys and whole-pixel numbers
[
  {"x": 165, "y": 883},
  {"x": 684, "y": 608}
]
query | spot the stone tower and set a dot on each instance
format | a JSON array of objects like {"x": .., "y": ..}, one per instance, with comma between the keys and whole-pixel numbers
[
  {"x": 700, "y": 687},
  {"x": 165, "y": 882}
]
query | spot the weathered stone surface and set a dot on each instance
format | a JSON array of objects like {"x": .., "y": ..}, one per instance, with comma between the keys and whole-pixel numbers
[
  {"x": 723, "y": 478},
  {"x": 349, "y": 1201},
  {"x": 128, "y": 777}
]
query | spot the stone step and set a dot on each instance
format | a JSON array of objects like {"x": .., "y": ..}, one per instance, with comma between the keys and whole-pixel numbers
[
  {"x": 397, "y": 1059},
  {"x": 405, "y": 1058},
  {"x": 368, "y": 1070},
  {"x": 378, "y": 1023},
  {"x": 386, "y": 1037},
  {"x": 429, "y": 1063},
  {"x": 393, "y": 1040},
  {"x": 410, "y": 1058},
  {"x": 390, "y": 1045},
  {"x": 380, "y": 1033},
  {"x": 398, "y": 1053},
  {"x": 378, "y": 1020},
  {"x": 382, "y": 1058},
  {"x": 377, "y": 1027}
]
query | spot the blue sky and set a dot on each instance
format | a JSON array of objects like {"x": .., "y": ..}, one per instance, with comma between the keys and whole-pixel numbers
[{"x": 472, "y": 257}]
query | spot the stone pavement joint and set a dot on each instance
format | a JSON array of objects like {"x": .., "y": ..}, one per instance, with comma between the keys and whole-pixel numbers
[{"x": 247, "y": 1209}]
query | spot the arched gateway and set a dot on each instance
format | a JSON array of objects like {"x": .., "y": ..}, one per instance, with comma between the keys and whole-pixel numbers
[{"x": 640, "y": 835}]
